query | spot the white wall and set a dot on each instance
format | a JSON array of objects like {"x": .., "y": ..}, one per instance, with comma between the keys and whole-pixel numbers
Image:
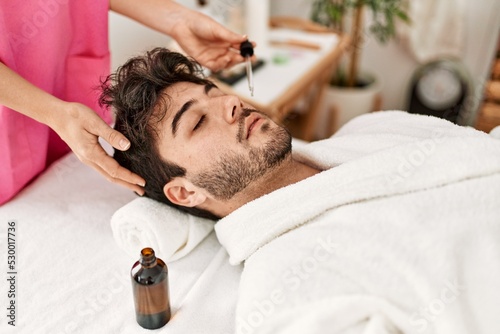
[
  {"x": 390, "y": 62},
  {"x": 128, "y": 38}
]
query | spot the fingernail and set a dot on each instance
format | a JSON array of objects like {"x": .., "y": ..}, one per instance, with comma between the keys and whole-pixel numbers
[
  {"x": 124, "y": 144},
  {"x": 141, "y": 184},
  {"x": 140, "y": 192}
]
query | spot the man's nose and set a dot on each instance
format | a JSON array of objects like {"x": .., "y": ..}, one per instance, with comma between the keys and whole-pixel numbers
[{"x": 232, "y": 108}]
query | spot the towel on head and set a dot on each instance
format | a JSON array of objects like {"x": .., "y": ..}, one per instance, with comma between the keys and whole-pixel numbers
[{"x": 145, "y": 222}]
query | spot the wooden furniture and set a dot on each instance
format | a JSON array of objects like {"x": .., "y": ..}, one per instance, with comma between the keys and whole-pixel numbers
[
  {"x": 489, "y": 113},
  {"x": 302, "y": 75}
]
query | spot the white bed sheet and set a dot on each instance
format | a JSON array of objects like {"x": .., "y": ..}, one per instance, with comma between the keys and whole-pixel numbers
[{"x": 73, "y": 278}]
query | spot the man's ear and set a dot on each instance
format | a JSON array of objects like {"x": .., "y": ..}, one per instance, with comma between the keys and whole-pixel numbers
[{"x": 182, "y": 192}]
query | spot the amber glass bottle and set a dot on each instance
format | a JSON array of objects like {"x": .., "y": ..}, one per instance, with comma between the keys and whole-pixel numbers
[{"x": 150, "y": 288}]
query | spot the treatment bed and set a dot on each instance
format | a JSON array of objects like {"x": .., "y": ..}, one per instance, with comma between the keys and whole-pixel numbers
[{"x": 73, "y": 278}]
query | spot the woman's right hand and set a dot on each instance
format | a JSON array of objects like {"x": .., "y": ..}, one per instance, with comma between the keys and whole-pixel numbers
[{"x": 80, "y": 127}]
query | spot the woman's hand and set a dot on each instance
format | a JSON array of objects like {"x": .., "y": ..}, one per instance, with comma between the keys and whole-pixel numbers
[
  {"x": 202, "y": 38},
  {"x": 208, "y": 42},
  {"x": 80, "y": 127}
]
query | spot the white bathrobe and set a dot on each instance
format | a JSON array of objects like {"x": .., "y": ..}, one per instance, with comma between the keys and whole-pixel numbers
[{"x": 399, "y": 234}]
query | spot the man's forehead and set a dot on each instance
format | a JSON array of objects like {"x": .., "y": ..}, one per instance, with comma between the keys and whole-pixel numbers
[
  {"x": 184, "y": 88},
  {"x": 178, "y": 94}
]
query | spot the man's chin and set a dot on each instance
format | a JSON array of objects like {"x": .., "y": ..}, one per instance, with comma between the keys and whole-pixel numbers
[{"x": 279, "y": 146}]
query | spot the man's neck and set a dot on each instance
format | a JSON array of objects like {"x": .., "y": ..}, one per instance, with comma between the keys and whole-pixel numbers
[{"x": 288, "y": 172}]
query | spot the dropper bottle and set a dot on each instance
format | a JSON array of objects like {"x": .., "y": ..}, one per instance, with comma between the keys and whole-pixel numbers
[
  {"x": 246, "y": 51},
  {"x": 150, "y": 289}
]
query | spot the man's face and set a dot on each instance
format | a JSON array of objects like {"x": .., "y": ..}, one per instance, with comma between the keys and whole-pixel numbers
[{"x": 223, "y": 143}]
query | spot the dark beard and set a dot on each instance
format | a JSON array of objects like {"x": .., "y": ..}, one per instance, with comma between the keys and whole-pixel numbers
[{"x": 232, "y": 172}]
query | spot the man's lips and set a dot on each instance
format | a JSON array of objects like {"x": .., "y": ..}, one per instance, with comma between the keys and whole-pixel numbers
[{"x": 251, "y": 122}]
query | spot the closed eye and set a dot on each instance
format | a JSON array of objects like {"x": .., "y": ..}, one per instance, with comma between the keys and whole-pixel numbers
[{"x": 200, "y": 122}]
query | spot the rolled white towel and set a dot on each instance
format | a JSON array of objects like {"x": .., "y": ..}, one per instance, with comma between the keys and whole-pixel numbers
[
  {"x": 495, "y": 132},
  {"x": 144, "y": 222}
]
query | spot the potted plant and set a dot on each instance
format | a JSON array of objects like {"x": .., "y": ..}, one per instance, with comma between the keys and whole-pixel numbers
[{"x": 353, "y": 92}]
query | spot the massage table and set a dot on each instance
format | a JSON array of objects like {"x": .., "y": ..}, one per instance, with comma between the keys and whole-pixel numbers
[{"x": 71, "y": 276}]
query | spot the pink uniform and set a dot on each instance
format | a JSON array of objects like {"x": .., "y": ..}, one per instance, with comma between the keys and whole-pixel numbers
[{"x": 60, "y": 46}]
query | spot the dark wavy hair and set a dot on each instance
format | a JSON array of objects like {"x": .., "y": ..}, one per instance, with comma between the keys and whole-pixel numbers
[{"x": 136, "y": 93}]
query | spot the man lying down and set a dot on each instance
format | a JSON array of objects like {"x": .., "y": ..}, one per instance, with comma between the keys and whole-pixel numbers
[{"x": 390, "y": 226}]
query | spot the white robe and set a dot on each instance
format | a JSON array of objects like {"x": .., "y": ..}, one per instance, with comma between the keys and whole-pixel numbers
[{"x": 400, "y": 233}]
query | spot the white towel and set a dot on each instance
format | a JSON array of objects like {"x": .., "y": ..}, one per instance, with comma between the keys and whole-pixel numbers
[
  {"x": 495, "y": 132},
  {"x": 405, "y": 239},
  {"x": 375, "y": 132},
  {"x": 147, "y": 223}
]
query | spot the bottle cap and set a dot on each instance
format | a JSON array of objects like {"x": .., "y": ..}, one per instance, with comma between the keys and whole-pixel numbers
[{"x": 246, "y": 49}]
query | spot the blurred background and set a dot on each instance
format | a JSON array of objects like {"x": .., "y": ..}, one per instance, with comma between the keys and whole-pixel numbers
[{"x": 472, "y": 26}]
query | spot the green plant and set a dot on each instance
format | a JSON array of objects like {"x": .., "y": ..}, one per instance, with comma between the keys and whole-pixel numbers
[{"x": 332, "y": 13}]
